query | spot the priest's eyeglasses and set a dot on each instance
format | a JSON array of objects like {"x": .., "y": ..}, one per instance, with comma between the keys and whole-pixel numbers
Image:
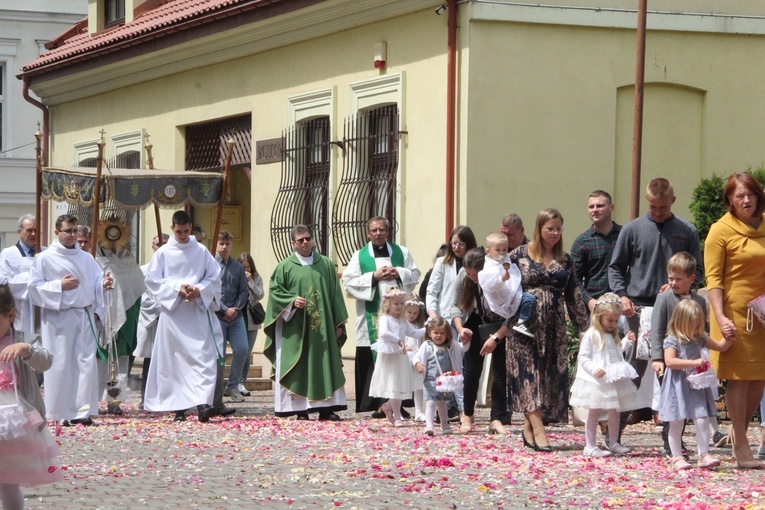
[{"x": 301, "y": 240}]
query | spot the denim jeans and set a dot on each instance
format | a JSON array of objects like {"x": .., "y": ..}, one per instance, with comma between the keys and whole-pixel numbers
[
  {"x": 526, "y": 310},
  {"x": 235, "y": 332}
]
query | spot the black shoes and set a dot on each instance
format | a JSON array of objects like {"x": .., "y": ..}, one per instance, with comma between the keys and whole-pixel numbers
[
  {"x": 86, "y": 422},
  {"x": 303, "y": 416},
  {"x": 180, "y": 416},
  {"x": 225, "y": 411},
  {"x": 535, "y": 446},
  {"x": 205, "y": 412},
  {"x": 331, "y": 416}
]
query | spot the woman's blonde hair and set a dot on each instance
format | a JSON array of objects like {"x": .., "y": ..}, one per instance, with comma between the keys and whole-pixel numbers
[
  {"x": 607, "y": 304},
  {"x": 687, "y": 322},
  {"x": 440, "y": 322},
  {"x": 535, "y": 246}
]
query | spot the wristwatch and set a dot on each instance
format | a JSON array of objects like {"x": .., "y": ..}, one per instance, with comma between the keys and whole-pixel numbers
[{"x": 494, "y": 337}]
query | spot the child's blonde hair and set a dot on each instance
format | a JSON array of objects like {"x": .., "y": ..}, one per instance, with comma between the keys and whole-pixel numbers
[
  {"x": 682, "y": 262},
  {"x": 422, "y": 315},
  {"x": 687, "y": 322},
  {"x": 607, "y": 304},
  {"x": 440, "y": 322},
  {"x": 392, "y": 293}
]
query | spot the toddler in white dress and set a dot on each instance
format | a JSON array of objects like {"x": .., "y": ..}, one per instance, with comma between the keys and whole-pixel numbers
[
  {"x": 393, "y": 378},
  {"x": 603, "y": 379}
]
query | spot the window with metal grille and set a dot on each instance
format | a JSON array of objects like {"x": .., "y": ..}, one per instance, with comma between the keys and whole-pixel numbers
[
  {"x": 368, "y": 184},
  {"x": 303, "y": 194},
  {"x": 206, "y": 144}
]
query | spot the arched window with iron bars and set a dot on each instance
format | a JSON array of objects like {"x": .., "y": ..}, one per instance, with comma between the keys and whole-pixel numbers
[
  {"x": 303, "y": 196},
  {"x": 368, "y": 184}
]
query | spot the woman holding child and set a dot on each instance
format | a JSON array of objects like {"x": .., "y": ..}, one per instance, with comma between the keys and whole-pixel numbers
[
  {"x": 537, "y": 367},
  {"x": 734, "y": 260}
]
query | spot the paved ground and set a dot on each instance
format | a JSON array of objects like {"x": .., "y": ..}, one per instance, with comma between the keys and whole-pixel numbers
[{"x": 145, "y": 460}]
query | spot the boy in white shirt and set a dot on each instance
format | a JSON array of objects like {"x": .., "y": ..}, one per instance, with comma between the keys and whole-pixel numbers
[{"x": 501, "y": 284}]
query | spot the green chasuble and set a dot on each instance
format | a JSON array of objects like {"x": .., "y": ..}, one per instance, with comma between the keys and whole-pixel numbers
[{"x": 311, "y": 362}]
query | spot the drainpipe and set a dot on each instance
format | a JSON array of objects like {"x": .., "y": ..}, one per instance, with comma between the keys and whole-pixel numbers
[
  {"x": 42, "y": 226},
  {"x": 451, "y": 114}
]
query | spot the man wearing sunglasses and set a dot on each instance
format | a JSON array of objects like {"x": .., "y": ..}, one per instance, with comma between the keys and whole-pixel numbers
[{"x": 305, "y": 330}]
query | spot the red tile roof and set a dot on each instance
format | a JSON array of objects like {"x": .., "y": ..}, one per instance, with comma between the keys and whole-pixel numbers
[{"x": 165, "y": 19}]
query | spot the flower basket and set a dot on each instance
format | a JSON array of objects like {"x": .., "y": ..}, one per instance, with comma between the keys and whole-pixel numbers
[{"x": 449, "y": 381}]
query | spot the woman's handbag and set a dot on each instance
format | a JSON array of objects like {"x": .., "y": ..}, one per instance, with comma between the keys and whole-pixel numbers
[
  {"x": 486, "y": 330},
  {"x": 643, "y": 344},
  {"x": 13, "y": 419},
  {"x": 257, "y": 314},
  {"x": 447, "y": 382},
  {"x": 755, "y": 307}
]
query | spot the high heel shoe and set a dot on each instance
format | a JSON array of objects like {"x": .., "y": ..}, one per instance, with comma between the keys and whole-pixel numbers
[
  {"x": 527, "y": 444},
  {"x": 543, "y": 449}
]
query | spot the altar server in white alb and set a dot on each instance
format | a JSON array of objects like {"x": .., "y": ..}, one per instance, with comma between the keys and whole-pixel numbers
[
  {"x": 185, "y": 281},
  {"x": 67, "y": 284}
]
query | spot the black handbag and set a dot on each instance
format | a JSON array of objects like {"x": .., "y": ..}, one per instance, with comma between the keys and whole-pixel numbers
[
  {"x": 486, "y": 330},
  {"x": 257, "y": 314}
]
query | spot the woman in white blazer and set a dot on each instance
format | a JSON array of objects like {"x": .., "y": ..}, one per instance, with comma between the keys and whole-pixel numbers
[{"x": 443, "y": 279}]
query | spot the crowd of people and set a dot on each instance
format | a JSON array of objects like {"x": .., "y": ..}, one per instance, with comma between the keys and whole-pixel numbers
[{"x": 629, "y": 291}]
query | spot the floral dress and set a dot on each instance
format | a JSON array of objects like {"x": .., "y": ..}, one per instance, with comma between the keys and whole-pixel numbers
[
  {"x": 27, "y": 449},
  {"x": 537, "y": 368}
]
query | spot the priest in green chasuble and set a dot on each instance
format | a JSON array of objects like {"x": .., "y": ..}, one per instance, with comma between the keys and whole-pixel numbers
[{"x": 305, "y": 330}]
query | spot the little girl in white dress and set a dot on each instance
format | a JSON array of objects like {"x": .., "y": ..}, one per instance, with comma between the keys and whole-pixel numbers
[
  {"x": 416, "y": 315},
  {"x": 392, "y": 377},
  {"x": 602, "y": 376},
  {"x": 27, "y": 449}
]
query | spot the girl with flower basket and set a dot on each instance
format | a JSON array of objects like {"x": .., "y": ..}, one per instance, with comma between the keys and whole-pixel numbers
[{"x": 27, "y": 448}]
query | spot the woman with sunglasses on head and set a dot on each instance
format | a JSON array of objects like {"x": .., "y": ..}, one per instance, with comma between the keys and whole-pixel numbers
[{"x": 443, "y": 282}]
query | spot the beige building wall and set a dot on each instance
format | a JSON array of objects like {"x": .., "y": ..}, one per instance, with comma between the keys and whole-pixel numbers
[{"x": 550, "y": 108}]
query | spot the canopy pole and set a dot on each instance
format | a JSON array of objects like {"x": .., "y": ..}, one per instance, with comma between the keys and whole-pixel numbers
[
  {"x": 223, "y": 191},
  {"x": 637, "y": 128},
  {"x": 38, "y": 188},
  {"x": 150, "y": 163},
  {"x": 97, "y": 196}
]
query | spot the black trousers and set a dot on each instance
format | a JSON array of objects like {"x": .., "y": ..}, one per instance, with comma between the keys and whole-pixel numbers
[{"x": 472, "y": 366}]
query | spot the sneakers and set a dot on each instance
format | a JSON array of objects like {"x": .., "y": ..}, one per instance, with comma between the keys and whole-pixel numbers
[
  {"x": 420, "y": 418},
  {"x": 720, "y": 440},
  {"x": 760, "y": 453},
  {"x": 233, "y": 394},
  {"x": 244, "y": 391},
  {"x": 596, "y": 452},
  {"x": 680, "y": 464},
  {"x": 708, "y": 461},
  {"x": 618, "y": 449},
  {"x": 523, "y": 329}
]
